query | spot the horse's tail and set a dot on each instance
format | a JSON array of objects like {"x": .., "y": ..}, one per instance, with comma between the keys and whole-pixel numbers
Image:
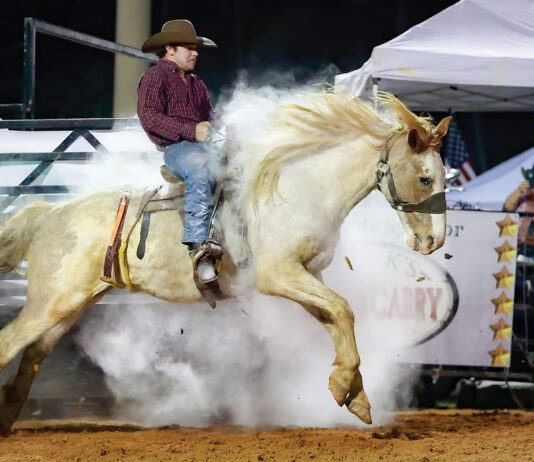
[{"x": 17, "y": 234}]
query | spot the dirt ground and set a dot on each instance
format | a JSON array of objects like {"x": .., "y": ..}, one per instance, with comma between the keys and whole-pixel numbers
[{"x": 450, "y": 435}]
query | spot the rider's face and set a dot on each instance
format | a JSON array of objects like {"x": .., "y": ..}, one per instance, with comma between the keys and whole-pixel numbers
[{"x": 185, "y": 56}]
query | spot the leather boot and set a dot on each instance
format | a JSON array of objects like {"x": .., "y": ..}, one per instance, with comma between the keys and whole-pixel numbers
[{"x": 204, "y": 264}]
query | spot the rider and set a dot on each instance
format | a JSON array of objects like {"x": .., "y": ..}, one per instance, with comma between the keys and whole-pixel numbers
[
  {"x": 174, "y": 110},
  {"x": 522, "y": 200}
]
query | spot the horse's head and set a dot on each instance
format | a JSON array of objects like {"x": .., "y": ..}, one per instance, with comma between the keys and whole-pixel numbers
[{"x": 412, "y": 178}]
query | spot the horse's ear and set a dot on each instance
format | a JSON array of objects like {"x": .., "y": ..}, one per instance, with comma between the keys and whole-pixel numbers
[
  {"x": 416, "y": 143},
  {"x": 441, "y": 130}
]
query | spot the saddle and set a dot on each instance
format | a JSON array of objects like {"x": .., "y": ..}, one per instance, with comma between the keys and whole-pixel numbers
[{"x": 169, "y": 196}]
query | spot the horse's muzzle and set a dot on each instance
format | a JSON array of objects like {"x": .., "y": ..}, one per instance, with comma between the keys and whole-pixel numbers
[{"x": 425, "y": 245}]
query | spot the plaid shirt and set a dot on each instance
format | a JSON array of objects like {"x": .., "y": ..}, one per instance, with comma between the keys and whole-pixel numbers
[{"x": 169, "y": 109}]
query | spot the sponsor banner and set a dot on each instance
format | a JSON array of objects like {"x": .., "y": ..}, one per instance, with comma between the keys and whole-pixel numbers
[{"x": 454, "y": 307}]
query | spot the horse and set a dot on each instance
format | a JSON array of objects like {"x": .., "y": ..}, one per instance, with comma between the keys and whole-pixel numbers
[{"x": 320, "y": 157}]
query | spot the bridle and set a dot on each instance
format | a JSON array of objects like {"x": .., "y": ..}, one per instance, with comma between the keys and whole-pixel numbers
[{"x": 433, "y": 204}]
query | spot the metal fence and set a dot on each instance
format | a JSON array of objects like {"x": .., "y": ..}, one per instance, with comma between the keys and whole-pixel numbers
[
  {"x": 32, "y": 26},
  {"x": 78, "y": 128}
]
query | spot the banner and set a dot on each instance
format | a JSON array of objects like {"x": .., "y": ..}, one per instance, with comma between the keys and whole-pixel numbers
[{"x": 454, "y": 307}]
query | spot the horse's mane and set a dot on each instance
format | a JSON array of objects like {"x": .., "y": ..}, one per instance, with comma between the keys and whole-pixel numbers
[{"x": 324, "y": 119}]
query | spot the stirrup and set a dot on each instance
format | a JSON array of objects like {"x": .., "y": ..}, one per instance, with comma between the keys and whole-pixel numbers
[
  {"x": 207, "y": 253},
  {"x": 203, "y": 266},
  {"x": 205, "y": 261}
]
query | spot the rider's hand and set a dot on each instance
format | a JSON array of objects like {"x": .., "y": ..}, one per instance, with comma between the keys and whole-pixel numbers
[
  {"x": 524, "y": 186},
  {"x": 202, "y": 131}
]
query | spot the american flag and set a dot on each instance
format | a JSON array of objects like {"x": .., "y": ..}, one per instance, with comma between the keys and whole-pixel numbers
[{"x": 456, "y": 155}]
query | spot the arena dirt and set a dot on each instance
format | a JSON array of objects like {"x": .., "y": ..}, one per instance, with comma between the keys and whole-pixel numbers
[{"x": 422, "y": 436}]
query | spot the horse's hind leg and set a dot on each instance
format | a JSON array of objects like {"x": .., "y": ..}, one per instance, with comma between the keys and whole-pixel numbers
[
  {"x": 22, "y": 331},
  {"x": 292, "y": 281},
  {"x": 46, "y": 307},
  {"x": 14, "y": 393}
]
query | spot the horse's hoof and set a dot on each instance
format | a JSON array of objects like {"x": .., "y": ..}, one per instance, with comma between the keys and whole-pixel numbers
[
  {"x": 6, "y": 422},
  {"x": 338, "y": 392},
  {"x": 361, "y": 408},
  {"x": 5, "y": 432},
  {"x": 8, "y": 412}
]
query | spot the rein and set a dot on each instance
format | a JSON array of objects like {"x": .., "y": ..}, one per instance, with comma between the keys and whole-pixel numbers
[{"x": 434, "y": 204}]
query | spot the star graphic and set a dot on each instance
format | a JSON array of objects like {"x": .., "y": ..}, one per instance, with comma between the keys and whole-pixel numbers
[
  {"x": 506, "y": 252},
  {"x": 501, "y": 330},
  {"x": 504, "y": 278},
  {"x": 499, "y": 356},
  {"x": 503, "y": 304},
  {"x": 508, "y": 227}
]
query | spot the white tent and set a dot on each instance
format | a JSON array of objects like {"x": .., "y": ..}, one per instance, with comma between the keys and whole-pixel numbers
[
  {"x": 475, "y": 55},
  {"x": 489, "y": 190}
]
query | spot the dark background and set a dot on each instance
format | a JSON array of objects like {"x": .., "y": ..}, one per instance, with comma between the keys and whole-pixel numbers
[{"x": 299, "y": 38}]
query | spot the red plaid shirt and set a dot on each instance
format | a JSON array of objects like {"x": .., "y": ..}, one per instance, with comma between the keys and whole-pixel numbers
[{"x": 169, "y": 108}]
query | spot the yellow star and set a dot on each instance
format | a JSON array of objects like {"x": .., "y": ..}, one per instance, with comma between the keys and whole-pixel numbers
[
  {"x": 499, "y": 356},
  {"x": 506, "y": 252},
  {"x": 508, "y": 227},
  {"x": 503, "y": 304},
  {"x": 501, "y": 330},
  {"x": 504, "y": 278}
]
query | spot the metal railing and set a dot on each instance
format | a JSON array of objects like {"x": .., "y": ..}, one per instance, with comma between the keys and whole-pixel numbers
[
  {"x": 13, "y": 110},
  {"x": 32, "y": 26},
  {"x": 68, "y": 124},
  {"x": 79, "y": 128}
]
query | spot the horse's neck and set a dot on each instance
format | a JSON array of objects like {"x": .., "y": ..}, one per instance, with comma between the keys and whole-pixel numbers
[{"x": 344, "y": 176}]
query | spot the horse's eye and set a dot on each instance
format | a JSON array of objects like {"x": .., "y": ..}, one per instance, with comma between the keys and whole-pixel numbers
[{"x": 425, "y": 181}]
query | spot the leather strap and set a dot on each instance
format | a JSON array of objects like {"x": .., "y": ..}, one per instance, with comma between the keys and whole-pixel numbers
[
  {"x": 115, "y": 237},
  {"x": 434, "y": 204},
  {"x": 145, "y": 224}
]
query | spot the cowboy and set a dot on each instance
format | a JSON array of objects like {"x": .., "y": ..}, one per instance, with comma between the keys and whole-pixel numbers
[
  {"x": 174, "y": 110},
  {"x": 522, "y": 200}
]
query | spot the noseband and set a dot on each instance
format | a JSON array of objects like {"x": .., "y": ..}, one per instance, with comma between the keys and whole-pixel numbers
[{"x": 433, "y": 204}]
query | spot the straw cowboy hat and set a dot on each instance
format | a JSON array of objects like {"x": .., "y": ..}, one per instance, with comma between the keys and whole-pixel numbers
[{"x": 173, "y": 32}]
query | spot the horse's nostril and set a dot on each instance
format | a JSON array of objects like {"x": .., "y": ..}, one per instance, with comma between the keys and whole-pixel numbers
[
  {"x": 430, "y": 240},
  {"x": 417, "y": 236}
]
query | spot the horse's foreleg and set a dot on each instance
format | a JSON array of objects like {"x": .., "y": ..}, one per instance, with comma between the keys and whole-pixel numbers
[{"x": 292, "y": 281}]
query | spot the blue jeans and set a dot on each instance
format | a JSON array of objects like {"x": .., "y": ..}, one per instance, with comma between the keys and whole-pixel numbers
[{"x": 191, "y": 161}]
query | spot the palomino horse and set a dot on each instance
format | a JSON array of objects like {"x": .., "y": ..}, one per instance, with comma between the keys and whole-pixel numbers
[{"x": 324, "y": 155}]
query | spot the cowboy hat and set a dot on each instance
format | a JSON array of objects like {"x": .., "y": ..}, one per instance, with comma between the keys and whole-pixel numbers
[{"x": 173, "y": 32}]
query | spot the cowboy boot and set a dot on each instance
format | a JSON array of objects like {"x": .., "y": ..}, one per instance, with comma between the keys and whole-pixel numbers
[{"x": 203, "y": 265}]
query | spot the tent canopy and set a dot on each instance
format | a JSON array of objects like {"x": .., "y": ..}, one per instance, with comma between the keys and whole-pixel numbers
[{"x": 476, "y": 55}]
